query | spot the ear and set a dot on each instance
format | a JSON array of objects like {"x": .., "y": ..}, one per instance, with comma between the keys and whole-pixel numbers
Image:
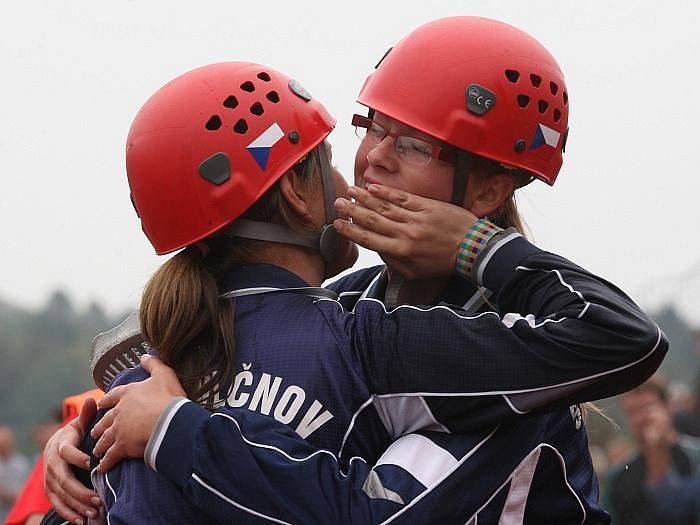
[
  {"x": 297, "y": 197},
  {"x": 488, "y": 193}
]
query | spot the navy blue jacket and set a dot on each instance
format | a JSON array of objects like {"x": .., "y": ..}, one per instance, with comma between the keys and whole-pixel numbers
[{"x": 486, "y": 401}]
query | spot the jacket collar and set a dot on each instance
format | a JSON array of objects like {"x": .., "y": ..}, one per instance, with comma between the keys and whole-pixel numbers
[{"x": 260, "y": 275}]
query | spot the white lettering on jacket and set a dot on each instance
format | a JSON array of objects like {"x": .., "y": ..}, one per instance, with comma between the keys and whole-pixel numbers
[{"x": 264, "y": 397}]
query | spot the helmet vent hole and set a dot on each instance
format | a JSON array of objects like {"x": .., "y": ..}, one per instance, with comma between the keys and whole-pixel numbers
[
  {"x": 535, "y": 80},
  {"x": 241, "y": 126},
  {"x": 565, "y": 97},
  {"x": 248, "y": 86},
  {"x": 542, "y": 106},
  {"x": 264, "y": 76},
  {"x": 213, "y": 123},
  {"x": 231, "y": 102},
  {"x": 523, "y": 101},
  {"x": 553, "y": 88},
  {"x": 257, "y": 109},
  {"x": 557, "y": 115},
  {"x": 512, "y": 75},
  {"x": 273, "y": 97}
]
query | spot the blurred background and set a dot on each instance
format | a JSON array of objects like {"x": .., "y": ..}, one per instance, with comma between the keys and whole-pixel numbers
[{"x": 75, "y": 73}]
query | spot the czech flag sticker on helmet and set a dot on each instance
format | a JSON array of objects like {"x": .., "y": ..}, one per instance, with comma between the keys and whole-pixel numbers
[
  {"x": 260, "y": 147},
  {"x": 545, "y": 135}
]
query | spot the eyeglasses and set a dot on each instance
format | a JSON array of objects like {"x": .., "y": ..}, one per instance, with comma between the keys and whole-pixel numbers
[{"x": 411, "y": 149}]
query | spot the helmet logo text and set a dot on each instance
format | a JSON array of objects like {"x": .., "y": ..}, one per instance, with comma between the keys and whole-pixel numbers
[{"x": 479, "y": 99}]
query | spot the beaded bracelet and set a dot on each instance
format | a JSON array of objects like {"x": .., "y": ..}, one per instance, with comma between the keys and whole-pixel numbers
[{"x": 474, "y": 241}]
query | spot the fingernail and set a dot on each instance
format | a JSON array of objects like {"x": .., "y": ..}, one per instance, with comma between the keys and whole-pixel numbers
[
  {"x": 373, "y": 188},
  {"x": 78, "y": 521},
  {"x": 339, "y": 203},
  {"x": 96, "y": 501},
  {"x": 87, "y": 463},
  {"x": 91, "y": 513},
  {"x": 353, "y": 191}
]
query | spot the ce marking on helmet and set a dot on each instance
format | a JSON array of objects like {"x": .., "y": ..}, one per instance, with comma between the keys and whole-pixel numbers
[
  {"x": 486, "y": 103},
  {"x": 479, "y": 99}
]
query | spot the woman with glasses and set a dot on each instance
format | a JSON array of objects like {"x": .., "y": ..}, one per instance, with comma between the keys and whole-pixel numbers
[{"x": 477, "y": 399}]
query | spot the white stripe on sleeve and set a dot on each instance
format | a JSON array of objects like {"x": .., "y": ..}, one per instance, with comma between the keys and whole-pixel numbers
[
  {"x": 156, "y": 439},
  {"x": 420, "y": 457}
]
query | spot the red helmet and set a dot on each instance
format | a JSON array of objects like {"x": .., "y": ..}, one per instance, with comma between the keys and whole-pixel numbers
[
  {"x": 209, "y": 143},
  {"x": 480, "y": 85}
]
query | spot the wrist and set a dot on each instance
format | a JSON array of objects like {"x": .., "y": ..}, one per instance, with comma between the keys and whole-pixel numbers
[
  {"x": 158, "y": 431},
  {"x": 171, "y": 449},
  {"x": 474, "y": 241}
]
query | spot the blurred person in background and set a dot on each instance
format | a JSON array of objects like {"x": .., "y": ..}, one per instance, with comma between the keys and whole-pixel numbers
[
  {"x": 618, "y": 449},
  {"x": 687, "y": 419},
  {"x": 31, "y": 504},
  {"x": 14, "y": 469},
  {"x": 41, "y": 432},
  {"x": 660, "y": 484}
]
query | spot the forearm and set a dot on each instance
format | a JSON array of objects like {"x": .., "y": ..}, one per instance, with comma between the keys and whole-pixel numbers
[
  {"x": 568, "y": 336},
  {"x": 239, "y": 465},
  {"x": 268, "y": 473}
]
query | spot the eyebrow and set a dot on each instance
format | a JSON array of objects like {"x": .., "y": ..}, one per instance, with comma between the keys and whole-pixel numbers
[{"x": 410, "y": 131}]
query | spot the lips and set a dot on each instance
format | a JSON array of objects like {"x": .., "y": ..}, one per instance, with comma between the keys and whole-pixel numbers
[{"x": 366, "y": 181}]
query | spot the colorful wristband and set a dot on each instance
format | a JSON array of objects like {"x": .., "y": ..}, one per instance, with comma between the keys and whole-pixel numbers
[{"x": 474, "y": 241}]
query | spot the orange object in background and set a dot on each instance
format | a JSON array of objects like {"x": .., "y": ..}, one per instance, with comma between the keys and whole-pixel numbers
[
  {"x": 32, "y": 500},
  {"x": 73, "y": 404}
]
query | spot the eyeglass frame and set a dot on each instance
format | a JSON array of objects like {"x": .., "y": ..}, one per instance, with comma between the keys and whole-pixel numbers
[{"x": 437, "y": 152}]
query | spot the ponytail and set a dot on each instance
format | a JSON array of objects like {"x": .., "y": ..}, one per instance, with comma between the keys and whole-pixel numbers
[
  {"x": 183, "y": 317},
  {"x": 181, "y": 313}
]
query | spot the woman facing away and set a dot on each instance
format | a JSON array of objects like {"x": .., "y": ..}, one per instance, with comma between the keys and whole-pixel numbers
[{"x": 477, "y": 394}]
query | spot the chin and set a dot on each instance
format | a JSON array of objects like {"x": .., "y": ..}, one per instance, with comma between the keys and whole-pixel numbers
[{"x": 346, "y": 258}]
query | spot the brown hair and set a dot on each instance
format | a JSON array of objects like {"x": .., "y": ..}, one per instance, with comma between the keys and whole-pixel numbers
[{"x": 182, "y": 315}]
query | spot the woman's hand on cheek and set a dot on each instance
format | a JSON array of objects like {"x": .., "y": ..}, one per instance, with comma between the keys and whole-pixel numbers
[
  {"x": 418, "y": 237},
  {"x": 133, "y": 411}
]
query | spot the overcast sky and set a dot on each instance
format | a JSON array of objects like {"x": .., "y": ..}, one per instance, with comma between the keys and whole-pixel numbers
[{"x": 75, "y": 73}]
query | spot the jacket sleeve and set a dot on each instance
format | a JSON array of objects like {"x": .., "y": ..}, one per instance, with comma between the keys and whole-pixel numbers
[
  {"x": 242, "y": 467},
  {"x": 267, "y": 474},
  {"x": 564, "y": 336}
]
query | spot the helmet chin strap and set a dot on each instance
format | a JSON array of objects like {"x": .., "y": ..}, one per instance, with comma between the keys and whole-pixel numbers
[
  {"x": 327, "y": 242},
  {"x": 461, "y": 177}
]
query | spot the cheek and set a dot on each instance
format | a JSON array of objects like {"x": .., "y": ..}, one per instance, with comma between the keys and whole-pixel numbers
[
  {"x": 435, "y": 184},
  {"x": 341, "y": 185},
  {"x": 360, "y": 165}
]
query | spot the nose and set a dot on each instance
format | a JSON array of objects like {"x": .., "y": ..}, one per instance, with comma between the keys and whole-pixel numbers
[{"x": 383, "y": 155}]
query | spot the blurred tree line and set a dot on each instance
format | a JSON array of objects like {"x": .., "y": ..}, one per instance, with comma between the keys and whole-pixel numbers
[{"x": 44, "y": 358}]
